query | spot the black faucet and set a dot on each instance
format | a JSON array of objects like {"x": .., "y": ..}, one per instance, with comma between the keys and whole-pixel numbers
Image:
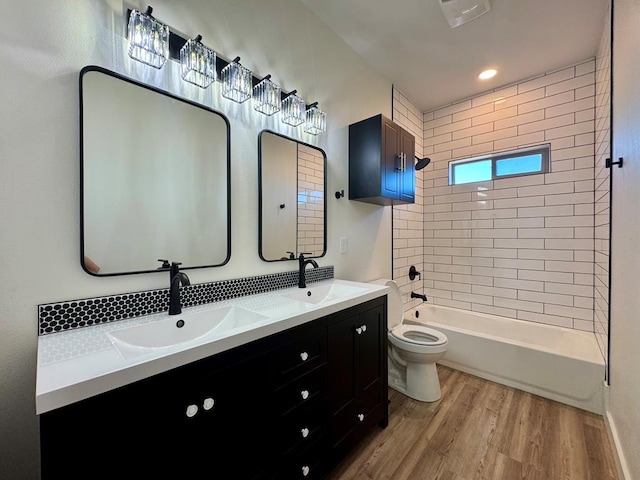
[
  {"x": 417, "y": 295},
  {"x": 302, "y": 281},
  {"x": 176, "y": 278}
]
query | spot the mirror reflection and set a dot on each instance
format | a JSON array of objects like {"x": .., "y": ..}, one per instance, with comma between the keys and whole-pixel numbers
[
  {"x": 155, "y": 178},
  {"x": 292, "y": 198}
]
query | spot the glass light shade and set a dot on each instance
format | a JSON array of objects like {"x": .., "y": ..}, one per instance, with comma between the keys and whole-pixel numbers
[
  {"x": 148, "y": 39},
  {"x": 293, "y": 110},
  {"x": 266, "y": 97},
  {"x": 237, "y": 82},
  {"x": 197, "y": 63},
  {"x": 316, "y": 121}
]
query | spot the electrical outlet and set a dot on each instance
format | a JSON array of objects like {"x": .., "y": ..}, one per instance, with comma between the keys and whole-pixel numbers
[{"x": 344, "y": 246}]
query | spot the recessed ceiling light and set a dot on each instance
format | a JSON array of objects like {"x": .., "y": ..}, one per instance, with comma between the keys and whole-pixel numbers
[{"x": 487, "y": 74}]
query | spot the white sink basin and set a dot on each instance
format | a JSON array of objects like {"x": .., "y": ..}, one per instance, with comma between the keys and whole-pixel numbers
[
  {"x": 180, "y": 328},
  {"x": 323, "y": 293}
]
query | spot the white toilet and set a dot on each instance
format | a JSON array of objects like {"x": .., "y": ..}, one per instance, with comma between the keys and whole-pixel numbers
[{"x": 413, "y": 352}]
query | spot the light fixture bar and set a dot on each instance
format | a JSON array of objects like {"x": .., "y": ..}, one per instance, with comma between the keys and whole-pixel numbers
[{"x": 177, "y": 41}]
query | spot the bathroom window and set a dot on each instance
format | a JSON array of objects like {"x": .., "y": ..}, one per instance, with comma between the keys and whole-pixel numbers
[{"x": 525, "y": 161}]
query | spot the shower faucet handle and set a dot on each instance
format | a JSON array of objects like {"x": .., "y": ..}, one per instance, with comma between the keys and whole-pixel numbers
[{"x": 413, "y": 273}]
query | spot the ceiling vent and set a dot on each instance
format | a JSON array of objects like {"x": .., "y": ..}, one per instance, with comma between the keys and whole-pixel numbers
[{"x": 459, "y": 12}]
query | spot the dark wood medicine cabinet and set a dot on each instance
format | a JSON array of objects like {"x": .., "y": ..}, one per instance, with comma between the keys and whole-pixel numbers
[{"x": 381, "y": 162}]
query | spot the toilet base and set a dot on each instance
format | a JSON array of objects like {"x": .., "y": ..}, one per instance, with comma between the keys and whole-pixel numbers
[
  {"x": 422, "y": 382},
  {"x": 422, "y": 378}
]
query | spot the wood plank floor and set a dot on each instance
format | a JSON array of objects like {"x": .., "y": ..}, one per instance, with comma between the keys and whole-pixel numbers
[{"x": 482, "y": 430}]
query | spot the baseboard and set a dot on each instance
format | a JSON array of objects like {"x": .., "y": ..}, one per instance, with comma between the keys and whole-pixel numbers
[{"x": 624, "y": 473}]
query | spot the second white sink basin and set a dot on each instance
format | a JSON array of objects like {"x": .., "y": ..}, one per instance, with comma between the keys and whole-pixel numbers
[
  {"x": 182, "y": 328},
  {"x": 323, "y": 293}
]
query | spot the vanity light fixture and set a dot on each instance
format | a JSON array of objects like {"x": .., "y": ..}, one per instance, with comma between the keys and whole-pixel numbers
[
  {"x": 293, "y": 110},
  {"x": 267, "y": 96},
  {"x": 237, "y": 81},
  {"x": 316, "y": 120},
  {"x": 197, "y": 63},
  {"x": 148, "y": 39}
]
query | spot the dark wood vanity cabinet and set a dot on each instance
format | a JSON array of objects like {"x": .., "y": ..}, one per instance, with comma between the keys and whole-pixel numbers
[
  {"x": 381, "y": 162},
  {"x": 284, "y": 407}
]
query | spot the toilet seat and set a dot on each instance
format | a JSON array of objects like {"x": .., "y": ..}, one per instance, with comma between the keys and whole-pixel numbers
[{"x": 419, "y": 335}]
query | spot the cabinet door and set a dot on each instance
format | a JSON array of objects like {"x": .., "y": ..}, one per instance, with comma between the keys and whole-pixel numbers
[
  {"x": 219, "y": 413},
  {"x": 391, "y": 159},
  {"x": 407, "y": 176},
  {"x": 124, "y": 432},
  {"x": 341, "y": 355},
  {"x": 369, "y": 351}
]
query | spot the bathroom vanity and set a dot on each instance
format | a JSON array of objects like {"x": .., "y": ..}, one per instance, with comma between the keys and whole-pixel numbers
[{"x": 285, "y": 397}]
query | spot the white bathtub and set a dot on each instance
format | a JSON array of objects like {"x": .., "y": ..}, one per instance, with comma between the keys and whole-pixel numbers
[{"x": 557, "y": 363}]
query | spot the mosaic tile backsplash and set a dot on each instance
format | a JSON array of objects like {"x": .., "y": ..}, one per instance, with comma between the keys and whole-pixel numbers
[{"x": 70, "y": 314}]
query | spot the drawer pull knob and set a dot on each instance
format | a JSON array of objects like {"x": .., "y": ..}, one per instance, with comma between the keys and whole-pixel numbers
[
  {"x": 192, "y": 410},
  {"x": 304, "y": 356},
  {"x": 361, "y": 417},
  {"x": 305, "y": 471},
  {"x": 304, "y": 394},
  {"x": 208, "y": 403},
  {"x": 364, "y": 328},
  {"x": 305, "y": 432},
  {"x": 359, "y": 330}
]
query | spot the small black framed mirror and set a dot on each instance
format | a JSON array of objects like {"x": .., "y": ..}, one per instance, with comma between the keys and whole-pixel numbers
[{"x": 292, "y": 198}]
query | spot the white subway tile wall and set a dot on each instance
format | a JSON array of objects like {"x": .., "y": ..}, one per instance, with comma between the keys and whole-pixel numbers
[
  {"x": 310, "y": 200},
  {"x": 408, "y": 220},
  {"x": 603, "y": 151},
  {"x": 520, "y": 247}
]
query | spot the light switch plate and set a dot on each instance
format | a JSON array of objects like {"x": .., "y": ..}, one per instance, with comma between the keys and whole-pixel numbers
[{"x": 344, "y": 246}]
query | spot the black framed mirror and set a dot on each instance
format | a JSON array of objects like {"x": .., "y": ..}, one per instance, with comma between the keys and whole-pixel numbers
[
  {"x": 292, "y": 198},
  {"x": 155, "y": 178}
]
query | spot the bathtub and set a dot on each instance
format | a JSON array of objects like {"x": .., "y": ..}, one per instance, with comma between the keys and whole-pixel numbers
[{"x": 557, "y": 363}]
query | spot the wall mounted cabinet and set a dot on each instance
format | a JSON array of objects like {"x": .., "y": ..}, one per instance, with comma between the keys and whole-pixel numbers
[
  {"x": 288, "y": 406},
  {"x": 381, "y": 162}
]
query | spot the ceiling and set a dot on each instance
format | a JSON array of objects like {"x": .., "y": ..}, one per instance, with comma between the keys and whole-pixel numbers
[{"x": 410, "y": 42}]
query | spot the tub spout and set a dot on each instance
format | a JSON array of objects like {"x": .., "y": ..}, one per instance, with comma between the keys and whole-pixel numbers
[{"x": 418, "y": 295}]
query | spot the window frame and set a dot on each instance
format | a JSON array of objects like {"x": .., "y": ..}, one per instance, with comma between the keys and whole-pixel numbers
[{"x": 543, "y": 150}]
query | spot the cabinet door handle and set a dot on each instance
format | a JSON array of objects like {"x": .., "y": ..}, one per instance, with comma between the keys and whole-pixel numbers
[
  {"x": 305, "y": 470},
  {"x": 359, "y": 330},
  {"x": 305, "y": 432},
  {"x": 364, "y": 328},
  {"x": 208, "y": 403},
  {"x": 361, "y": 417},
  {"x": 191, "y": 410},
  {"x": 404, "y": 162},
  {"x": 304, "y": 356},
  {"x": 304, "y": 394}
]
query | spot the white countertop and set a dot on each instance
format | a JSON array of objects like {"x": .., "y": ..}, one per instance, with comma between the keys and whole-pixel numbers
[{"x": 80, "y": 363}]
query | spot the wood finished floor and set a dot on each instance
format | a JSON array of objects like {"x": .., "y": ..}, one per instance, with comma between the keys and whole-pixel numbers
[{"x": 482, "y": 430}]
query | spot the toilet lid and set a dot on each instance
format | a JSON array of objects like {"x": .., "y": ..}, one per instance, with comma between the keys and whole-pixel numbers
[{"x": 419, "y": 335}]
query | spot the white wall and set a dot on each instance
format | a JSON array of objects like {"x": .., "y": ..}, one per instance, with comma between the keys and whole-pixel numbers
[
  {"x": 44, "y": 46},
  {"x": 624, "y": 411}
]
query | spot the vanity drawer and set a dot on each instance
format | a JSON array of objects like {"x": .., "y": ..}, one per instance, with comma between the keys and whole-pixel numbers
[
  {"x": 308, "y": 464},
  {"x": 300, "y": 356},
  {"x": 302, "y": 428},
  {"x": 302, "y": 391}
]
